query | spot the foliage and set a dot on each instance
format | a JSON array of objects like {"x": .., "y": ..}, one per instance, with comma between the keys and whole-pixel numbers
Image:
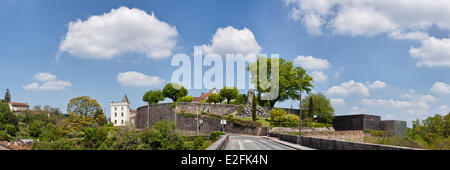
[
  {"x": 163, "y": 136},
  {"x": 35, "y": 128},
  {"x": 254, "y": 103},
  {"x": 215, "y": 135},
  {"x": 174, "y": 91},
  {"x": 153, "y": 96},
  {"x": 186, "y": 99},
  {"x": 214, "y": 98},
  {"x": 289, "y": 79},
  {"x": 229, "y": 93},
  {"x": 84, "y": 106},
  {"x": 7, "y": 96},
  {"x": 377, "y": 133},
  {"x": 10, "y": 129},
  {"x": 277, "y": 115},
  {"x": 318, "y": 105},
  {"x": 241, "y": 99},
  {"x": 83, "y": 112},
  {"x": 4, "y": 136}
]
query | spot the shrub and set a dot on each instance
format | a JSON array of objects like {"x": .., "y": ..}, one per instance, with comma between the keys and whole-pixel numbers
[
  {"x": 199, "y": 142},
  {"x": 10, "y": 129},
  {"x": 230, "y": 116},
  {"x": 5, "y": 136},
  {"x": 215, "y": 135},
  {"x": 186, "y": 99},
  {"x": 377, "y": 133},
  {"x": 277, "y": 115}
]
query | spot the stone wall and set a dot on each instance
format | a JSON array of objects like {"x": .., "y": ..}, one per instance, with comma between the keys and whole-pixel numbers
[
  {"x": 327, "y": 144},
  {"x": 147, "y": 116}
]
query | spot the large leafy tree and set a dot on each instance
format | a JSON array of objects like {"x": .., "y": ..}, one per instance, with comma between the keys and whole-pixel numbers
[
  {"x": 318, "y": 105},
  {"x": 153, "y": 96},
  {"x": 174, "y": 91},
  {"x": 229, "y": 93},
  {"x": 83, "y": 111},
  {"x": 84, "y": 106},
  {"x": 7, "y": 96},
  {"x": 289, "y": 85},
  {"x": 214, "y": 98}
]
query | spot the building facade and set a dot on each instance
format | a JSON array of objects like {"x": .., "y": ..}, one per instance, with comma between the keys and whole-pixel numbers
[
  {"x": 120, "y": 112},
  {"x": 18, "y": 107}
]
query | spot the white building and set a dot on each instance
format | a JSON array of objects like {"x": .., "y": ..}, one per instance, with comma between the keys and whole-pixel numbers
[
  {"x": 18, "y": 107},
  {"x": 120, "y": 112}
]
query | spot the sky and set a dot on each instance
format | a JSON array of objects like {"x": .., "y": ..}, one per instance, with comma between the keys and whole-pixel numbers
[{"x": 381, "y": 57}]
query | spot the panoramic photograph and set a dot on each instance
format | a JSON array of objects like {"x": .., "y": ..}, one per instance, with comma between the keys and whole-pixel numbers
[{"x": 224, "y": 75}]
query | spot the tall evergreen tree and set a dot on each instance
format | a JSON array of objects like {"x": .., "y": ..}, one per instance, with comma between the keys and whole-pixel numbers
[{"x": 7, "y": 96}]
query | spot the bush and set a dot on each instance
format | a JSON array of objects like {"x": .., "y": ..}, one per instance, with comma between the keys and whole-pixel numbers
[
  {"x": 5, "y": 136},
  {"x": 277, "y": 115},
  {"x": 215, "y": 135},
  {"x": 230, "y": 116},
  {"x": 377, "y": 133},
  {"x": 10, "y": 129},
  {"x": 199, "y": 142},
  {"x": 186, "y": 99}
]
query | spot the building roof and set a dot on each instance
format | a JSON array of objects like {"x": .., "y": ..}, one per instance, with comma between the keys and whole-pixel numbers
[
  {"x": 19, "y": 104},
  {"x": 204, "y": 96},
  {"x": 125, "y": 99},
  {"x": 133, "y": 114}
]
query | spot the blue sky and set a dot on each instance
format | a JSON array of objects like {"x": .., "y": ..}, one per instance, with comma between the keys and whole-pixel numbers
[{"x": 352, "y": 44}]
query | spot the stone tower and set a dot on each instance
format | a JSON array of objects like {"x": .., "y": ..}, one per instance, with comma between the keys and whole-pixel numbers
[{"x": 120, "y": 112}]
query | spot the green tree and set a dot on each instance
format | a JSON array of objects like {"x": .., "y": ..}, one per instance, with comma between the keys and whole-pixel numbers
[
  {"x": 163, "y": 136},
  {"x": 84, "y": 106},
  {"x": 35, "y": 128},
  {"x": 229, "y": 93},
  {"x": 289, "y": 79},
  {"x": 254, "y": 103},
  {"x": 186, "y": 99},
  {"x": 241, "y": 99},
  {"x": 174, "y": 91},
  {"x": 153, "y": 96},
  {"x": 321, "y": 108},
  {"x": 214, "y": 98},
  {"x": 7, "y": 96}
]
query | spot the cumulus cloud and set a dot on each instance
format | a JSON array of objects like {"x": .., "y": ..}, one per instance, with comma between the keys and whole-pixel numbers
[
  {"x": 319, "y": 76},
  {"x": 337, "y": 101},
  {"x": 47, "y": 82},
  {"x": 440, "y": 88},
  {"x": 230, "y": 40},
  {"x": 133, "y": 78},
  {"x": 349, "y": 88},
  {"x": 371, "y": 17},
  {"x": 313, "y": 24},
  {"x": 390, "y": 103},
  {"x": 311, "y": 63},
  {"x": 118, "y": 32},
  {"x": 376, "y": 85},
  {"x": 433, "y": 52},
  {"x": 43, "y": 77},
  {"x": 415, "y": 35}
]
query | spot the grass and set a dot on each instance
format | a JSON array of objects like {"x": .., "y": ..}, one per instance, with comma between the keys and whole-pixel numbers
[{"x": 262, "y": 121}]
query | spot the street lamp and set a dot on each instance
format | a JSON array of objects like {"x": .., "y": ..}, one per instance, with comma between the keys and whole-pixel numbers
[{"x": 300, "y": 115}]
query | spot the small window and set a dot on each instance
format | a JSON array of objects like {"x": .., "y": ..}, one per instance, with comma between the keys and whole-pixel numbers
[
  {"x": 115, "y": 108},
  {"x": 122, "y": 108},
  {"x": 122, "y": 114},
  {"x": 115, "y": 121},
  {"x": 122, "y": 121},
  {"x": 115, "y": 114}
]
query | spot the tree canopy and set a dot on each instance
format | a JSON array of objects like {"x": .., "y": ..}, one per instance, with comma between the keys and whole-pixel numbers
[
  {"x": 289, "y": 79},
  {"x": 318, "y": 105},
  {"x": 229, "y": 93},
  {"x": 153, "y": 96},
  {"x": 214, "y": 98},
  {"x": 7, "y": 96},
  {"x": 174, "y": 91}
]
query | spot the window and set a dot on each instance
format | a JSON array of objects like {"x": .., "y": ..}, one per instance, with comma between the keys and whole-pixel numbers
[
  {"x": 122, "y": 108},
  {"x": 115, "y": 121},
  {"x": 122, "y": 121},
  {"x": 115, "y": 108},
  {"x": 122, "y": 114},
  {"x": 115, "y": 114}
]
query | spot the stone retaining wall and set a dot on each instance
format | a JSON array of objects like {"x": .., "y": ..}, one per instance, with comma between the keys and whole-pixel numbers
[{"x": 327, "y": 144}]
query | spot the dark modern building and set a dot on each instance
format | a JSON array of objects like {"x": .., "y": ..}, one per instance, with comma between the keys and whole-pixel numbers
[{"x": 369, "y": 122}]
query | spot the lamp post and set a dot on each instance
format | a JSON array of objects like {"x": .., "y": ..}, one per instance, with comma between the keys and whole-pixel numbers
[{"x": 300, "y": 115}]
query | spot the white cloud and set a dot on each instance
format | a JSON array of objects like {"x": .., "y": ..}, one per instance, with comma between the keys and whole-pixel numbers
[
  {"x": 133, "y": 78},
  {"x": 47, "y": 82},
  {"x": 337, "y": 101},
  {"x": 415, "y": 35},
  {"x": 118, "y": 32},
  {"x": 377, "y": 85},
  {"x": 361, "y": 21},
  {"x": 43, "y": 77},
  {"x": 349, "y": 88},
  {"x": 371, "y": 17},
  {"x": 313, "y": 23},
  {"x": 356, "y": 110},
  {"x": 230, "y": 40},
  {"x": 444, "y": 108},
  {"x": 311, "y": 63},
  {"x": 319, "y": 76},
  {"x": 432, "y": 53},
  {"x": 440, "y": 88},
  {"x": 397, "y": 104}
]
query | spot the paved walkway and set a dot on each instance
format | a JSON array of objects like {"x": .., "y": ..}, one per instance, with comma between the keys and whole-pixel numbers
[{"x": 241, "y": 142}]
